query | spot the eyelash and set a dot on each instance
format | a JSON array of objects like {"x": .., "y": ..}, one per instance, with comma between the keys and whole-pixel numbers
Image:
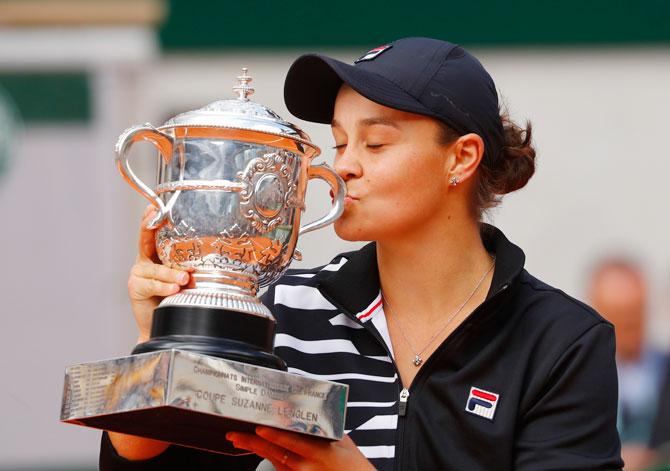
[{"x": 371, "y": 146}]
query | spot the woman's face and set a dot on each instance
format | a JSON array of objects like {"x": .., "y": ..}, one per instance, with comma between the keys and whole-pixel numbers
[{"x": 395, "y": 168}]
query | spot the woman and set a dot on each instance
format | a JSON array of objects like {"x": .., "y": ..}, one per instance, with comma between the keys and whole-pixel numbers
[{"x": 456, "y": 357}]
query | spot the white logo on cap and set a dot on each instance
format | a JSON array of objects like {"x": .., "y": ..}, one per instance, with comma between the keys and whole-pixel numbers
[{"x": 371, "y": 54}]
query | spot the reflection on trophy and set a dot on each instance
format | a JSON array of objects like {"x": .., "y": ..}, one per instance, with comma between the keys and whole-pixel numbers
[{"x": 231, "y": 186}]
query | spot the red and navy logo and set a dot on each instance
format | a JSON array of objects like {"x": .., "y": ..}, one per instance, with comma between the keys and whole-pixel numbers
[
  {"x": 482, "y": 403},
  {"x": 371, "y": 54}
]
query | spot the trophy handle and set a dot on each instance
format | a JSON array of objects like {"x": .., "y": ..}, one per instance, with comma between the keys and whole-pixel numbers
[
  {"x": 326, "y": 173},
  {"x": 163, "y": 143}
]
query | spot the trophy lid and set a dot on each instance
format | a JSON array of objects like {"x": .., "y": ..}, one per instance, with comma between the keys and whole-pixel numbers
[{"x": 242, "y": 114}]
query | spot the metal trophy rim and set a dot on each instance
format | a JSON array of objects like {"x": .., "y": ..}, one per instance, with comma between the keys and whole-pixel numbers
[{"x": 316, "y": 149}]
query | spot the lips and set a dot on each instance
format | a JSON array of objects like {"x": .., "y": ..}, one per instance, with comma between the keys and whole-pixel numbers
[{"x": 348, "y": 199}]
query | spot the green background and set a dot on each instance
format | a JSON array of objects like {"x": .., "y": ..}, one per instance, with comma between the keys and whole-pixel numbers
[
  {"x": 219, "y": 26},
  {"x": 198, "y": 24},
  {"x": 44, "y": 97}
]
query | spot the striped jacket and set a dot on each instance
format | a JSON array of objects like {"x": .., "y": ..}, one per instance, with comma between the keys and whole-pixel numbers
[{"x": 527, "y": 381}]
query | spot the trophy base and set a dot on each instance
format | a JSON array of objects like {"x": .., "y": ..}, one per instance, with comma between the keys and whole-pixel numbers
[
  {"x": 214, "y": 347},
  {"x": 192, "y": 400},
  {"x": 216, "y": 332},
  {"x": 169, "y": 424}
]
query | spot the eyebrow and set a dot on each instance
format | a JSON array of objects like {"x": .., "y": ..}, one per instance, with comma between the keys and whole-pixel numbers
[{"x": 370, "y": 122}]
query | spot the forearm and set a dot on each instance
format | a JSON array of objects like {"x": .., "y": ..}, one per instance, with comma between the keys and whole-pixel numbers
[
  {"x": 132, "y": 447},
  {"x": 136, "y": 448}
]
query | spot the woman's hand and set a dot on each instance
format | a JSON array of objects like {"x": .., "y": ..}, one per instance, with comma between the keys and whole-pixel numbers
[
  {"x": 294, "y": 451},
  {"x": 150, "y": 281}
]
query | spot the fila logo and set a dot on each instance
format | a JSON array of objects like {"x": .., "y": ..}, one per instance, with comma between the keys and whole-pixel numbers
[
  {"x": 482, "y": 403},
  {"x": 368, "y": 56}
]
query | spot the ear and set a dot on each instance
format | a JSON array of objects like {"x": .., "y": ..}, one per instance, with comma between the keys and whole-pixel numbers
[{"x": 467, "y": 151}]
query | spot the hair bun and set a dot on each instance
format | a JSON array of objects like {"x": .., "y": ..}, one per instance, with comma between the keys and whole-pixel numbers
[{"x": 516, "y": 161}]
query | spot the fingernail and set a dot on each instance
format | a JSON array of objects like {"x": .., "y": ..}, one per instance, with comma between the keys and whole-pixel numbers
[{"x": 183, "y": 278}]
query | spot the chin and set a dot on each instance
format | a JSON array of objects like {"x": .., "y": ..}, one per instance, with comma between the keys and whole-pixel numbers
[{"x": 349, "y": 230}]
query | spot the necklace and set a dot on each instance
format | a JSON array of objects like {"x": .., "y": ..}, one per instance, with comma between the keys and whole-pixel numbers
[{"x": 417, "y": 355}]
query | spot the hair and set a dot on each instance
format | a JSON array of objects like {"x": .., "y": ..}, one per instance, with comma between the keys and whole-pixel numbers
[{"x": 511, "y": 170}]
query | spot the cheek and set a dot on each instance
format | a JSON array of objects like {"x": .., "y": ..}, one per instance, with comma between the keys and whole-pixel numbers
[
  {"x": 415, "y": 190},
  {"x": 394, "y": 208}
]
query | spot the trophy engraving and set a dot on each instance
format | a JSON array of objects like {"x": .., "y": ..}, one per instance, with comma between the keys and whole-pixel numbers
[
  {"x": 268, "y": 190},
  {"x": 230, "y": 194}
]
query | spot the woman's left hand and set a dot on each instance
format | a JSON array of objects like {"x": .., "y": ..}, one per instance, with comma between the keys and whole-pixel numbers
[{"x": 294, "y": 451}]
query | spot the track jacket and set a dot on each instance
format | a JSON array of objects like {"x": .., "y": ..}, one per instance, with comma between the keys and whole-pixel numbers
[{"x": 527, "y": 382}]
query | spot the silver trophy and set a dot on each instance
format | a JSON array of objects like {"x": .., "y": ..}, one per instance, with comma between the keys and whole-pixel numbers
[{"x": 231, "y": 186}]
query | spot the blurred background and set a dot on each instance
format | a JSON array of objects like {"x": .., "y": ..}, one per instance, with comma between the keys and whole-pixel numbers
[{"x": 593, "y": 77}]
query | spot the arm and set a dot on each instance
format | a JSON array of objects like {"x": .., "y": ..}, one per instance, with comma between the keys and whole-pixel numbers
[
  {"x": 134, "y": 448},
  {"x": 148, "y": 283},
  {"x": 572, "y": 423},
  {"x": 174, "y": 457}
]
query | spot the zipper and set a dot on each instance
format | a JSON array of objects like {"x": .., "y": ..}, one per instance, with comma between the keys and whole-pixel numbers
[
  {"x": 403, "y": 393},
  {"x": 400, "y": 427},
  {"x": 402, "y": 403}
]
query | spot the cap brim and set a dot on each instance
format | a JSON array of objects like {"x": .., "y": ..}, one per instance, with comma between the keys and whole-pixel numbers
[{"x": 313, "y": 81}]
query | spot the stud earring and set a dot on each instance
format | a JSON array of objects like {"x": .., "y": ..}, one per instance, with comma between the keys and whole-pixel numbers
[{"x": 454, "y": 181}]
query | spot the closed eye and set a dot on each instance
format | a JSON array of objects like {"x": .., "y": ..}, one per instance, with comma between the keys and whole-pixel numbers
[
  {"x": 374, "y": 146},
  {"x": 339, "y": 146}
]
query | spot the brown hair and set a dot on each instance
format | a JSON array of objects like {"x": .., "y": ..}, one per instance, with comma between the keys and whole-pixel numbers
[{"x": 511, "y": 170}]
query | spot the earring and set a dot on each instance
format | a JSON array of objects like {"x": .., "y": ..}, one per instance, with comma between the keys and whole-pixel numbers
[{"x": 454, "y": 181}]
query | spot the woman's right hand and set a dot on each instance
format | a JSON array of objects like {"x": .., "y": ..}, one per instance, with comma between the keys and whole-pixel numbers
[{"x": 149, "y": 280}]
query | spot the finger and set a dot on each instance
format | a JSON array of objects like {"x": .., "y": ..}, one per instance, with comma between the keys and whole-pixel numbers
[
  {"x": 147, "y": 211},
  {"x": 142, "y": 288},
  {"x": 147, "y": 241},
  {"x": 159, "y": 272},
  {"x": 279, "y": 466},
  {"x": 277, "y": 455},
  {"x": 299, "y": 444}
]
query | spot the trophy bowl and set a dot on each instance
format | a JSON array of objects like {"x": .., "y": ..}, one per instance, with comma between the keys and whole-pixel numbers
[{"x": 230, "y": 193}]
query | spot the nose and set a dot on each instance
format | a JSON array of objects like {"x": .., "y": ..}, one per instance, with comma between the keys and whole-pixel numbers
[{"x": 347, "y": 165}]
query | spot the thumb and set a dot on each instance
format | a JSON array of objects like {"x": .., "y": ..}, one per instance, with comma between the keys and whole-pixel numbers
[{"x": 147, "y": 240}]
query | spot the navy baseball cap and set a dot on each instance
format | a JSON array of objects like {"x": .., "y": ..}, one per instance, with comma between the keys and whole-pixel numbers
[{"x": 419, "y": 75}]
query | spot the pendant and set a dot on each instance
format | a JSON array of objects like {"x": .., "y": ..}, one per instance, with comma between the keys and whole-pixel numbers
[{"x": 417, "y": 360}]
